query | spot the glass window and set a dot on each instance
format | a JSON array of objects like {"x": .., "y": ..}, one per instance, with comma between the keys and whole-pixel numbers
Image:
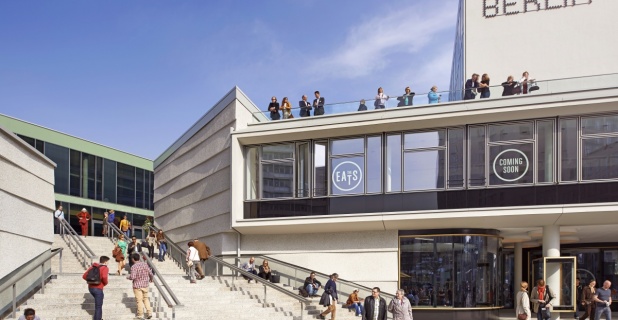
[
  {"x": 28, "y": 140},
  {"x": 277, "y": 179},
  {"x": 59, "y": 155},
  {"x": 477, "y": 156},
  {"x": 347, "y": 175},
  {"x": 139, "y": 187},
  {"x": 425, "y": 139},
  {"x": 109, "y": 180},
  {"x": 507, "y": 132},
  {"x": 605, "y": 124},
  {"x": 374, "y": 164},
  {"x": 88, "y": 176},
  {"x": 424, "y": 170},
  {"x": 99, "y": 178},
  {"x": 76, "y": 168},
  {"x": 600, "y": 158},
  {"x": 456, "y": 158},
  {"x": 252, "y": 173},
  {"x": 303, "y": 170},
  {"x": 151, "y": 190},
  {"x": 40, "y": 145},
  {"x": 320, "y": 155},
  {"x": 545, "y": 151},
  {"x": 393, "y": 163},
  {"x": 347, "y": 146},
  {"x": 510, "y": 164},
  {"x": 279, "y": 151},
  {"x": 125, "y": 184},
  {"x": 568, "y": 149}
]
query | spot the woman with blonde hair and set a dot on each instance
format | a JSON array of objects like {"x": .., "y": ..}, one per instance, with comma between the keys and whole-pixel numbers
[
  {"x": 265, "y": 271},
  {"x": 286, "y": 107},
  {"x": 523, "y": 302}
]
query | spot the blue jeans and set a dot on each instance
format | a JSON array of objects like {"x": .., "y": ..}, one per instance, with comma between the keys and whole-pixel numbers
[
  {"x": 358, "y": 307},
  {"x": 127, "y": 234},
  {"x": 485, "y": 94},
  {"x": 311, "y": 290},
  {"x": 98, "y": 296},
  {"x": 603, "y": 310},
  {"x": 162, "y": 251}
]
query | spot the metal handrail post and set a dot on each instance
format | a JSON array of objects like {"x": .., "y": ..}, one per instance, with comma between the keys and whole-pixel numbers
[
  {"x": 15, "y": 300},
  {"x": 43, "y": 278},
  {"x": 60, "y": 261},
  {"x": 265, "y": 304},
  {"x": 302, "y": 310}
]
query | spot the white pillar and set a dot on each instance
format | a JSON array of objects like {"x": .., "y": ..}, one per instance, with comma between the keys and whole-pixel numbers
[
  {"x": 517, "y": 277},
  {"x": 551, "y": 248}
]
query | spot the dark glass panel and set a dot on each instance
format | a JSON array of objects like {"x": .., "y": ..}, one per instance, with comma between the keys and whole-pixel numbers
[
  {"x": 600, "y": 158},
  {"x": 28, "y": 140},
  {"x": 511, "y": 164},
  {"x": 507, "y": 132},
  {"x": 347, "y": 175},
  {"x": 347, "y": 146},
  {"x": 429, "y": 139},
  {"x": 604, "y": 124},
  {"x": 59, "y": 155},
  {"x": 280, "y": 151},
  {"x": 320, "y": 158},
  {"x": 99, "y": 178},
  {"x": 88, "y": 176},
  {"x": 303, "y": 170},
  {"x": 424, "y": 170},
  {"x": 109, "y": 181},
  {"x": 125, "y": 184},
  {"x": 278, "y": 179},
  {"x": 151, "y": 190},
  {"x": 252, "y": 173},
  {"x": 139, "y": 187},
  {"x": 75, "y": 181},
  {"x": 545, "y": 151},
  {"x": 374, "y": 164},
  {"x": 477, "y": 156},
  {"x": 393, "y": 163},
  {"x": 40, "y": 146},
  {"x": 568, "y": 149},
  {"x": 456, "y": 158}
]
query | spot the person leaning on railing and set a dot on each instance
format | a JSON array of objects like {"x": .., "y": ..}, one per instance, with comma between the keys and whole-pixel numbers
[
  {"x": 484, "y": 86},
  {"x": 406, "y": 99},
  {"x": 433, "y": 95},
  {"x": 273, "y": 108},
  {"x": 380, "y": 100}
]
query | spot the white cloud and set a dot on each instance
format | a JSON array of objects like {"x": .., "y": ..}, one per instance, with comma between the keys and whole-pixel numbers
[{"x": 367, "y": 46}]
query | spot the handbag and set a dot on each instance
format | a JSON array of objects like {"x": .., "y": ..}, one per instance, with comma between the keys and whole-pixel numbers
[
  {"x": 522, "y": 316},
  {"x": 190, "y": 263}
]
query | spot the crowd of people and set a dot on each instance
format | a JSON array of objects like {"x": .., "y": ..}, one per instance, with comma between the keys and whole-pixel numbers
[{"x": 473, "y": 87}]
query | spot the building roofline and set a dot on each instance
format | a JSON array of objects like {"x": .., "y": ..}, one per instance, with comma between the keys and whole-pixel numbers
[{"x": 28, "y": 147}]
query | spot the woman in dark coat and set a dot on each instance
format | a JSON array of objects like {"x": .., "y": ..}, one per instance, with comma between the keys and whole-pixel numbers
[
  {"x": 273, "y": 107},
  {"x": 329, "y": 297}
]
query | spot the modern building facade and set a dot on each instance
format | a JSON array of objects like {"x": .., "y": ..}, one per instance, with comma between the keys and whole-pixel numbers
[{"x": 91, "y": 176}]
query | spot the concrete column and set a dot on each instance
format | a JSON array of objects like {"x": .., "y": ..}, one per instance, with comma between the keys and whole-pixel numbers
[
  {"x": 551, "y": 248},
  {"x": 518, "y": 260}
]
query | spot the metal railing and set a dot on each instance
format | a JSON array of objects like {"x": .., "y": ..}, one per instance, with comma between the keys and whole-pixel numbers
[
  {"x": 74, "y": 241},
  {"x": 171, "y": 300},
  {"x": 30, "y": 267},
  {"x": 179, "y": 256}
]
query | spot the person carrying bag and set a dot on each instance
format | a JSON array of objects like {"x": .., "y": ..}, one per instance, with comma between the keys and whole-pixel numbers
[
  {"x": 542, "y": 298},
  {"x": 523, "y": 302}
]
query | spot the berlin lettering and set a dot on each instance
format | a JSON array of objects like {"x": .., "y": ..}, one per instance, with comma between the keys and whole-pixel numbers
[{"x": 493, "y": 8}]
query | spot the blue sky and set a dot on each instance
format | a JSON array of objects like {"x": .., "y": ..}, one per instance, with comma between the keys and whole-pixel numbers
[{"x": 135, "y": 75}]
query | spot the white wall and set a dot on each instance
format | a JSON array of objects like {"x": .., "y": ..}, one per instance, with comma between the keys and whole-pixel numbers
[
  {"x": 27, "y": 202},
  {"x": 576, "y": 40}
]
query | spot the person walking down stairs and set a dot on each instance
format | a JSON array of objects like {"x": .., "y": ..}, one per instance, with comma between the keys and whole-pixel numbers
[
  {"x": 141, "y": 276},
  {"x": 329, "y": 297}
]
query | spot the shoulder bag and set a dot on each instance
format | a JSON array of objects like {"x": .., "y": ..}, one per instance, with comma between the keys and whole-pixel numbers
[{"x": 522, "y": 316}]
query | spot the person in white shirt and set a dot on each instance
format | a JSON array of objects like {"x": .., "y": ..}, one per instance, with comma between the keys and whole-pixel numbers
[
  {"x": 249, "y": 266},
  {"x": 381, "y": 99},
  {"x": 59, "y": 215},
  {"x": 193, "y": 258}
]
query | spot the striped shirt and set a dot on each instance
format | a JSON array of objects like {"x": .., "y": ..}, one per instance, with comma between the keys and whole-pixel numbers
[{"x": 141, "y": 275}]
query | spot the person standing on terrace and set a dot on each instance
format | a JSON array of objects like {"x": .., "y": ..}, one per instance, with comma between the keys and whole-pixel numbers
[
  {"x": 471, "y": 85},
  {"x": 381, "y": 99},
  {"x": 286, "y": 108},
  {"x": 318, "y": 104},
  {"x": 433, "y": 95},
  {"x": 406, "y": 98},
  {"x": 484, "y": 86},
  {"x": 305, "y": 107},
  {"x": 273, "y": 107}
]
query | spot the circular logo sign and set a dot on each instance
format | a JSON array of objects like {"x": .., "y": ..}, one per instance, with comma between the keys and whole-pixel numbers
[
  {"x": 347, "y": 176},
  {"x": 510, "y": 165}
]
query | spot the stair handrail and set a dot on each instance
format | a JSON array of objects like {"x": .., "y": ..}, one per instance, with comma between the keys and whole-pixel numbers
[
  {"x": 33, "y": 266},
  {"x": 67, "y": 230},
  {"x": 163, "y": 287},
  {"x": 218, "y": 261}
]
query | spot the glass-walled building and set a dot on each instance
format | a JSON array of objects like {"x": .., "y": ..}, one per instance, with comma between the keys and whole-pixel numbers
[{"x": 92, "y": 177}]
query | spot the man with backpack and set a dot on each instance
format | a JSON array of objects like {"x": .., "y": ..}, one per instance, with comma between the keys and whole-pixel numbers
[{"x": 96, "y": 277}]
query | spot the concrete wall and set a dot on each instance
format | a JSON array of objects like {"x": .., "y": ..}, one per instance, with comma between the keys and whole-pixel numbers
[
  {"x": 567, "y": 41},
  {"x": 27, "y": 198}
]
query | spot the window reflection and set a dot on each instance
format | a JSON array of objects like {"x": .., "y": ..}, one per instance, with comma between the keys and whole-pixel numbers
[
  {"x": 568, "y": 152},
  {"x": 506, "y": 132},
  {"x": 600, "y": 158},
  {"x": 348, "y": 146},
  {"x": 424, "y": 170},
  {"x": 430, "y": 139}
]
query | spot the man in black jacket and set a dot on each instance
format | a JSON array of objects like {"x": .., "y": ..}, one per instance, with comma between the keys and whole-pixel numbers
[
  {"x": 375, "y": 306},
  {"x": 305, "y": 107},
  {"x": 318, "y": 104},
  {"x": 312, "y": 285}
]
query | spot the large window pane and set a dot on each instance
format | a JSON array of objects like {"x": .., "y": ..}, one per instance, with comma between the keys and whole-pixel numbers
[
  {"x": 59, "y": 155},
  {"x": 545, "y": 151},
  {"x": 347, "y": 175},
  {"x": 348, "y": 146},
  {"x": 424, "y": 170},
  {"x": 88, "y": 176},
  {"x": 99, "y": 178},
  {"x": 477, "y": 156},
  {"x": 600, "y": 158},
  {"x": 278, "y": 179},
  {"x": 320, "y": 158},
  {"x": 126, "y": 184},
  {"x": 139, "y": 187},
  {"x": 76, "y": 167},
  {"x": 151, "y": 190},
  {"x": 303, "y": 170},
  {"x": 568, "y": 150},
  {"x": 393, "y": 163},
  {"x": 456, "y": 158},
  {"x": 280, "y": 151},
  {"x": 605, "y": 124},
  {"x": 476, "y": 259},
  {"x": 425, "y": 139},
  {"x": 511, "y": 164},
  {"x": 507, "y": 132},
  {"x": 252, "y": 173},
  {"x": 374, "y": 164},
  {"x": 109, "y": 181}
]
